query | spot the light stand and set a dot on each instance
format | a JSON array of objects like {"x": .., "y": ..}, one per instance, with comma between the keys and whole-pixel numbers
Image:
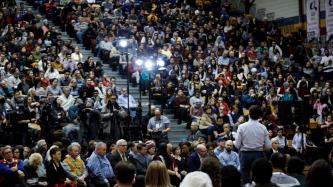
[
  {"x": 139, "y": 63},
  {"x": 149, "y": 66},
  {"x": 160, "y": 66},
  {"x": 123, "y": 46}
]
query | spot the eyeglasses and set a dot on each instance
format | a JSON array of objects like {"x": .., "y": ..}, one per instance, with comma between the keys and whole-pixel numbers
[
  {"x": 123, "y": 145},
  {"x": 7, "y": 152}
]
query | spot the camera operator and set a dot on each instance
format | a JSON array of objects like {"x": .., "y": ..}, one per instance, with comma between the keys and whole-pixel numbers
[
  {"x": 90, "y": 120},
  {"x": 21, "y": 121},
  {"x": 49, "y": 118},
  {"x": 5, "y": 129},
  {"x": 112, "y": 114},
  {"x": 159, "y": 126}
]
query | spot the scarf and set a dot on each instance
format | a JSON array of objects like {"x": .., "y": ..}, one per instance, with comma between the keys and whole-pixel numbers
[{"x": 77, "y": 166}]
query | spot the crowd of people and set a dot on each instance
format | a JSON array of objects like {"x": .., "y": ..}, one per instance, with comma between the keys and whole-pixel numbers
[{"x": 247, "y": 91}]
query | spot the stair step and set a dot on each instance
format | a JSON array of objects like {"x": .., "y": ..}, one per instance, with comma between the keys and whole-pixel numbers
[{"x": 178, "y": 132}]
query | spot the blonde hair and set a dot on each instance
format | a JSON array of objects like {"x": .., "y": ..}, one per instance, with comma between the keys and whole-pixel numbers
[
  {"x": 35, "y": 157},
  {"x": 157, "y": 175}
]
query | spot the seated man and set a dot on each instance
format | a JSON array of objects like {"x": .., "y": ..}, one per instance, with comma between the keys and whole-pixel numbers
[
  {"x": 100, "y": 170},
  {"x": 158, "y": 126},
  {"x": 125, "y": 174},
  {"x": 278, "y": 161},
  {"x": 67, "y": 100},
  {"x": 216, "y": 131},
  {"x": 11, "y": 169},
  {"x": 120, "y": 154}
]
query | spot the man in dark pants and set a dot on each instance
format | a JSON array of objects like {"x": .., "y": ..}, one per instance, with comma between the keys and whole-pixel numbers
[{"x": 252, "y": 139}]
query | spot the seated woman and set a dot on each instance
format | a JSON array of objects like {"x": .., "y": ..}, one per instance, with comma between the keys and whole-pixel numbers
[
  {"x": 35, "y": 174},
  {"x": 56, "y": 175},
  {"x": 207, "y": 120}
]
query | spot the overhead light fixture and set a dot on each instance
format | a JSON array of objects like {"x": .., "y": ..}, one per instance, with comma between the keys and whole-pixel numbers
[
  {"x": 149, "y": 65},
  {"x": 139, "y": 62},
  {"x": 160, "y": 63}
]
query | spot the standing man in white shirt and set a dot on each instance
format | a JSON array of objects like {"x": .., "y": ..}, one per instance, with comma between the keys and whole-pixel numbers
[
  {"x": 251, "y": 140},
  {"x": 123, "y": 102}
]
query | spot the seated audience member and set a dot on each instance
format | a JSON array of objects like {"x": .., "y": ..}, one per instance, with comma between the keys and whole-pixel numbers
[
  {"x": 74, "y": 165},
  {"x": 278, "y": 161},
  {"x": 195, "y": 159},
  {"x": 198, "y": 179},
  {"x": 262, "y": 173},
  {"x": 216, "y": 131},
  {"x": 320, "y": 174},
  {"x": 231, "y": 177},
  {"x": 220, "y": 146},
  {"x": 141, "y": 159},
  {"x": 210, "y": 146},
  {"x": 283, "y": 142},
  {"x": 211, "y": 166},
  {"x": 99, "y": 167},
  {"x": 157, "y": 175},
  {"x": 11, "y": 169},
  {"x": 32, "y": 177},
  {"x": 228, "y": 156},
  {"x": 295, "y": 168},
  {"x": 56, "y": 175},
  {"x": 275, "y": 148},
  {"x": 207, "y": 120},
  {"x": 125, "y": 174},
  {"x": 120, "y": 154},
  {"x": 195, "y": 133}
]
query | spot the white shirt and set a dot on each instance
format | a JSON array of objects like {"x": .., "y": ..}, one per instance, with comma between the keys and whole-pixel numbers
[
  {"x": 122, "y": 101},
  {"x": 66, "y": 102},
  {"x": 106, "y": 45},
  {"x": 77, "y": 57},
  {"x": 52, "y": 75},
  {"x": 297, "y": 141},
  {"x": 252, "y": 136},
  {"x": 284, "y": 180},
  {"x": 325, "y": 59}
]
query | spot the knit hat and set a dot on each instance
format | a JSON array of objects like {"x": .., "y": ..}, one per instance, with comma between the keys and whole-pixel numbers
[
  {"x": 150, "y": 144},
  {"x": 196, "y": 179}
]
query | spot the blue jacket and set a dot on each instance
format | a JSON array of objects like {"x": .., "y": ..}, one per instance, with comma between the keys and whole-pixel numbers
[
  {"x": 10, "y": 177},
  {"x": 193, "y": 162}
]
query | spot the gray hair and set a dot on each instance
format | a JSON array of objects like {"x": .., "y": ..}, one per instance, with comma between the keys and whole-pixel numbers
[
  {"x": 5, "y": 148},
  {"x": 99, "y": 144},
  {"x": 73, "y": 144},
  {"x": 119, "y": 142},
  {"x": 226, "y": 125},
  {"x": 201, "y": 147},
  {"x": 40, "y": 142},
  {"x": 35, "y": 157}
]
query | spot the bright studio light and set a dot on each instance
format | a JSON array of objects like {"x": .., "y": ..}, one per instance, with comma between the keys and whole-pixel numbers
[
  {"x": 149, "y": 65},
  {"x": 139, "y": 62},
  {"x": 160, "y": 63},
  {"x": 123, "y": 43}
]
